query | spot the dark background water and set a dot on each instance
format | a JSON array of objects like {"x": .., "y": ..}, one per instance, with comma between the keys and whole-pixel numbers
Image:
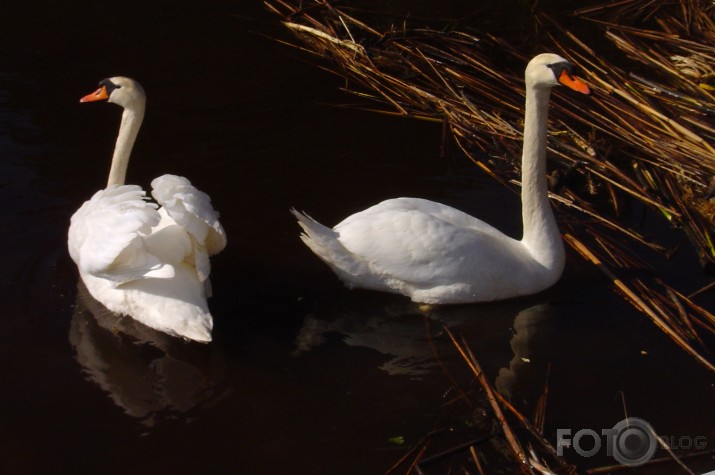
[{"x": 303, "y": 376}]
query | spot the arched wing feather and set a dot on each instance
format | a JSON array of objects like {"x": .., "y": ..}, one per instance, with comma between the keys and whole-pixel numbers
[
  {"x": 190, "y": 208},
  {"x": 106, "y": 236}
]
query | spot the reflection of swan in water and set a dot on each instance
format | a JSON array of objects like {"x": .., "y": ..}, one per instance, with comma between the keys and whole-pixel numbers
[
  {"x": 147, "y": 373},
  {"x": 399, "y": 330},
  {"x": 503, "y": 343},
  {"x": 526, "y": 369},
  {"x": 400, "y": 336}
]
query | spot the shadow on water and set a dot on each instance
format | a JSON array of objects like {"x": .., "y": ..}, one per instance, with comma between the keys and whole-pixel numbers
[{"x": 304, "y": 376}]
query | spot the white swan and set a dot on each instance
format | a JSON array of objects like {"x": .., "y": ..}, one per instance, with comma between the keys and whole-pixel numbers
[
  {"x": 135, "y": 258},
  {"x": 436, "y": 254}
]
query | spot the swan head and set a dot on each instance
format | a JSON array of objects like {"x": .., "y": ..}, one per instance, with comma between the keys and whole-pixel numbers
[
  {"x": 548, "y": 70},
  {"x": 120, "y": 90}
]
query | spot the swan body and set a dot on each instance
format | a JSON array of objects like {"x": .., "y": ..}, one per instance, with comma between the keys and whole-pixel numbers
[
  {"x": 147, "y": 260},
  {"x": 436, "y": 254}
]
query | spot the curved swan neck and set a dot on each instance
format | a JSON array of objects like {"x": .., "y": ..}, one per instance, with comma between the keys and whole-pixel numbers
[
  {"x": 540, "y": 230},
  {"x": 129, "y": 128}
]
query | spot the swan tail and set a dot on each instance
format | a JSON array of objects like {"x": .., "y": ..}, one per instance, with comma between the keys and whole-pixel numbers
[
  {"x": 325, "y": 243},
  {"x": 191, "y": 323},
  {"x": 199, "y": 329},
  {"x": 176, "y": 306}
]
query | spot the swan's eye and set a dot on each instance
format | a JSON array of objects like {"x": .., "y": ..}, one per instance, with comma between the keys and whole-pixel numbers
[
  {"x": 560, "y": 68},
  {"x": 109, "y": 85}
]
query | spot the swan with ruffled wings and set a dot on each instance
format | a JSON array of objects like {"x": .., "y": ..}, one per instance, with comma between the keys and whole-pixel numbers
[{"x": 147, "y": 260}]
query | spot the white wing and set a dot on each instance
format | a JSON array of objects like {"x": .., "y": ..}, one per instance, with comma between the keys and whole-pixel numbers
[
  {"x": 106, "y": 236},
  {"x": 191, "y": 209},
  {"x": 420, "y": 241}
]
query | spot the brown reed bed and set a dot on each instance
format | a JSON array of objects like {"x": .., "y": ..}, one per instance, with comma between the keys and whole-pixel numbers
[{"x": 644, "y": 138}]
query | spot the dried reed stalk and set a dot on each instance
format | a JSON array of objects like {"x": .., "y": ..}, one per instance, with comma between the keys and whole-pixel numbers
[
  {"x": 496, "y": 401},
  {"x": 513, "y": 442}
]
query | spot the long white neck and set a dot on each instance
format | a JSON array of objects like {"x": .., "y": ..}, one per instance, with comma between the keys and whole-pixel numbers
[
  {"x": 541, "y": 234},
  {"x": 131, "y": 122}
]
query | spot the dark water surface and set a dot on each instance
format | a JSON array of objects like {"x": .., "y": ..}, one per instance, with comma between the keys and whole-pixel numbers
[{"x": 304, "y": 376}]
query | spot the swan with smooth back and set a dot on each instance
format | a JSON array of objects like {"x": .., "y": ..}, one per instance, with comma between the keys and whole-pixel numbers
[
  {"x": 146, "y": 260},
  {"x": 436, "y": 254}
]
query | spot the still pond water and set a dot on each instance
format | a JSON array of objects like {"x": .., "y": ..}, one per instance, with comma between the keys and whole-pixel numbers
[{"x": 303, "y": 376}]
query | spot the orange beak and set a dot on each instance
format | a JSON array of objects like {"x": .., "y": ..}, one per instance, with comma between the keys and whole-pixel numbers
[
  {"x": 574, "y": 83},
  {"x": 98, "y": 95}
]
